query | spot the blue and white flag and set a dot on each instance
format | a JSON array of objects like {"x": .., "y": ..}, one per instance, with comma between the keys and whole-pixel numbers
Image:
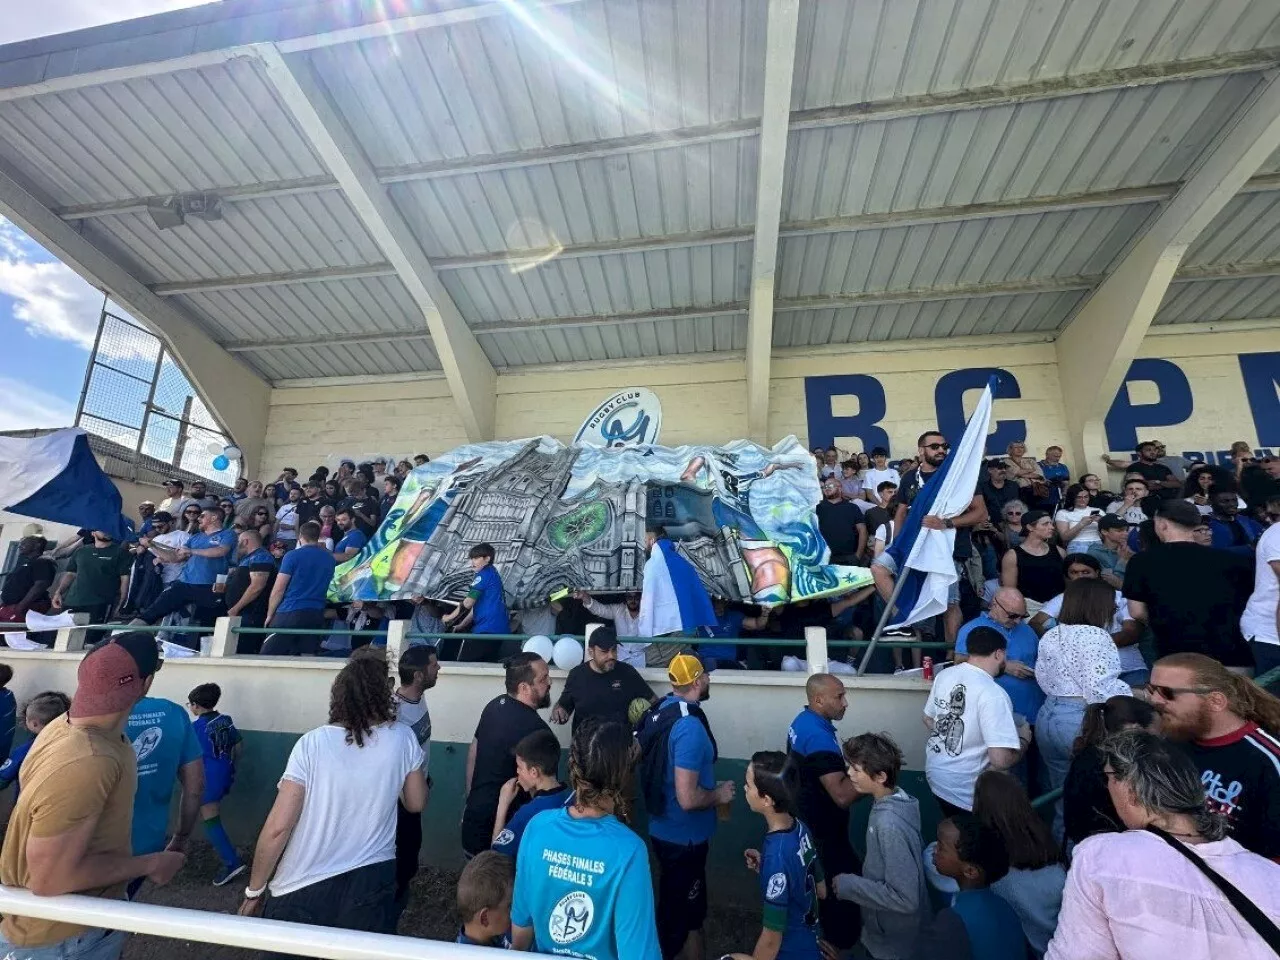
[
  {"x": 673, "y": 599},
  {"x": 56, "y": 478},
  {"x": 924, "y": 556}
]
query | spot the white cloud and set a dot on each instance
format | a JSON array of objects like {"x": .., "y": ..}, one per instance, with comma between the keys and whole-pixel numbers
[
  {"x": 50, "y": 299},
  {"x": 23, "y": 406}
]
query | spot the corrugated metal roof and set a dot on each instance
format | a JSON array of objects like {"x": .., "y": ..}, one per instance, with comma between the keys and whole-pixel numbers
[
  {"x": 1246, "y": 231},
  {"x": 590, "y": 72},
  {"x": 1096, "y": 141},
  {"x": 1075, "y": 243},
  {"x": 359, "y": 359},
  {"x": 218, "y": 126},
  {"x": 1252, "y": 298},
  {"x": 1024, "y": 313},
  {"x": 705, "y": 186},
  {"x": 616, "y": 341},
  {"x": 855, "y": 51}
]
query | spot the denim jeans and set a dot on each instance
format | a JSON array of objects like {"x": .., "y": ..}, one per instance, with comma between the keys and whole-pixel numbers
[
  {"x": 1057, "y": 726},
  {"x": 360, "y": 899},
  {"x": 93, "y": 944}
]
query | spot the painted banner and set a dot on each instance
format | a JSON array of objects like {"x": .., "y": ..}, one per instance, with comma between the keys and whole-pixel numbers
[{"x": 575, "y": 516}]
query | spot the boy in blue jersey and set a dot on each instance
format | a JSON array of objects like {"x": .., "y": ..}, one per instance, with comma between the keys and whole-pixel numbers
[
  {"x": 40, "y": 711},
  {"x": 483, "y": 609},
  {"x": 220, "y": 746},
  {"x": 484, "y": 901},
  {"x": 537, "y": 774},
  {"x": 791, "y": 877}
]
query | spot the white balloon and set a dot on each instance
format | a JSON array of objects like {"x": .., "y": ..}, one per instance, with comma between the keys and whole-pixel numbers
[
  {"x": 567, "y": 653},
  {"x": 540, "y": 645},
  {"x": 232, "y": 452},
  {"x": 213, "y": 447}
]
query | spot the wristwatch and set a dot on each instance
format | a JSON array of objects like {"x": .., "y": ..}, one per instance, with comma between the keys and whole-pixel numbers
[
  {"x": 949, "y": 523},
  {"x": 251, "y": 894}
]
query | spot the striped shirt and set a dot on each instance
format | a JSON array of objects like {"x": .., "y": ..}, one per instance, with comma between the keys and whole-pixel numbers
[{"x": 1241, "y": 775}]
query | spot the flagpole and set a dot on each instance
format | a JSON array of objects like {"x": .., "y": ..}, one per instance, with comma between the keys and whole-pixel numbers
[{"x": 884, "y": 618}]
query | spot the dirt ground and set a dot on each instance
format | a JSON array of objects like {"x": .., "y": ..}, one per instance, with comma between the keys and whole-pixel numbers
[{"x": 430, "y": 914}]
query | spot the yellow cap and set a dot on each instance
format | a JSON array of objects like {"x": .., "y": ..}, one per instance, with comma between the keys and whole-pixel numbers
[{"x": 684, "y": 669}]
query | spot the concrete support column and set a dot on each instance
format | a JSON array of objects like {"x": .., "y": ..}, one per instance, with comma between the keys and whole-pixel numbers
[
  {"x": 815, "y": 643},
  {"x": 225, "y": 639},
  {"x": 1096, "y": 349}
]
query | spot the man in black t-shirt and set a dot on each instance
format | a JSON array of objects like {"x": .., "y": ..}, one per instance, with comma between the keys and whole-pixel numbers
[
  {"x": 933, "y": 449},
  {"x": 996, "y": 489},
  {"x": 365, "y": 508},
  {"x": 1232, "y": 738},
  {"x": 841, "y": 525},
  {"x": 491, "y": 761},
  {"x": 601, "y": 686},
  {"x": 1160, "y": 478},
  {"x": 1190, "y": 595},
  {"x": 27, "y": 585}
]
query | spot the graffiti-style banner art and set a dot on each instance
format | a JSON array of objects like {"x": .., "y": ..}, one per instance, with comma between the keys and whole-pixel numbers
[{"x": 575, "y": 516}]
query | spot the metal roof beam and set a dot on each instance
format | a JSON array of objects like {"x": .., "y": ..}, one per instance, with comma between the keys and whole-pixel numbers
[
  {"x": 892, "y": 109},
  {"x": 236, "y": 395},
  {"x": 470, "y": 375},
  {"x": 1099, "y": 343},
  {"x": 325, "y": 275}
]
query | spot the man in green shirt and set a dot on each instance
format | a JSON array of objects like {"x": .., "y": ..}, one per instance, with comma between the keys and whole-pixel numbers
[{"x": 96, "y": 581}]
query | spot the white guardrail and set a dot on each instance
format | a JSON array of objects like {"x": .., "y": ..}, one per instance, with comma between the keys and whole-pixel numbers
[{"x": 329, "y": 943}]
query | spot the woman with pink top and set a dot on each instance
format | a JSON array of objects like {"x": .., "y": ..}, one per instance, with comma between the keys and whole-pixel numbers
[{"x": 1173, "y": 884}]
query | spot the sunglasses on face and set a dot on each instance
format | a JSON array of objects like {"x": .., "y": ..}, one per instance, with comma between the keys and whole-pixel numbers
[
  {"x": 1016, "y": 616},
  {"x": 938, "y": 446},
  {"x": 1171, "y": 693}
]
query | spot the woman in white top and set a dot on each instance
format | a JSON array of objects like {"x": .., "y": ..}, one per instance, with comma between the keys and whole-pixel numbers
[
  {"x": 1076, "y": 664},
  {"x": 1077, "y": 522},
  {"x": 328, "y": 847},
  {"x": 1140, "y": 893}
]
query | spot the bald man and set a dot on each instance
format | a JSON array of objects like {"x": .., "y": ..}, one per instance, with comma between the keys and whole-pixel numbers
[
  {"x": 1008, "y": 615},
  {"x": 826, "y": 794}
]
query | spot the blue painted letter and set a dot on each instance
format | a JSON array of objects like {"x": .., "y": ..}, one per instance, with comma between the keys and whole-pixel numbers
[
  {"x": 825, "y": 426},
  {"x": 948, "y": 400},
  {"x": 1173, "y": 406},
  {"x": 1261, "y": 372}
]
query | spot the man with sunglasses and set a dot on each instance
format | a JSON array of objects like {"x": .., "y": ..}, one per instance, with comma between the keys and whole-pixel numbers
[
  {"x": 205, "y": 557},
  {"x": 933, "y": 449},
  {"x": 1231, "y": 729}
]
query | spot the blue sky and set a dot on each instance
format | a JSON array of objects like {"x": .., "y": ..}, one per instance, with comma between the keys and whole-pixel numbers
[{"x": 48, "y": 314}]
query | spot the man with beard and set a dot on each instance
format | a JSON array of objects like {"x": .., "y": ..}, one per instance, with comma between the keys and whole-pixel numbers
[
  {"x": 678, "y": 772},
  {"x": 491, "y": 761},
  {"x": 1229, "y": 528},
  {"x": 825, "y": 796},
  {"x": 841, "y": 524},
  {"x": 419, "y": 666},
  {"x": 1231, "y": 729},
  {"x": 602, "y": 686},
  {"x": 626, "y": 623}
]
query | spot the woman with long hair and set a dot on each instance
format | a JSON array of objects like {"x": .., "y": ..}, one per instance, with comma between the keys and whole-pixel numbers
[
  {"x": 328, "y": 848},
  {"x": 1034, "y": 566},
  {"x": 1151, "y": 891},
  {"x": 1086, "y": 805},
  {"x": 605, "y": 911},
  {"x": 1077, "y": 664},
  {"x": 1033, "y": 885},
  {"x": 1076, "y": 521}
]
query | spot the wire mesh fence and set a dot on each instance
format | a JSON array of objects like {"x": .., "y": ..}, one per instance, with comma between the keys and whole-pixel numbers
[{"x": 141, "y": 410}]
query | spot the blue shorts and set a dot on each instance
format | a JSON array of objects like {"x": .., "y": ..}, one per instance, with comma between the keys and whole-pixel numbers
[{"x": 217, "y": 783}]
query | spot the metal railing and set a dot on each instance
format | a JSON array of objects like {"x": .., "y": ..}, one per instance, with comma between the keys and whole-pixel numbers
[{"x": 255, "y": 933}]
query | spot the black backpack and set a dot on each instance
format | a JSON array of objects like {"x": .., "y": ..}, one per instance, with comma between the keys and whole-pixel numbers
[{"x": 653, "y": 732}]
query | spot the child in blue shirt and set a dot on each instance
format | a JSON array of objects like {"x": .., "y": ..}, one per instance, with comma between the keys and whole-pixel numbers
[
  {"x": 220, "y": 744},
  {"x": 537, "y": 774},
  {"x": 40, "y": 711},
  {"x": 484, "y": 900},
  {"x": 483, "y": 609},
  {"x": 791, "y": 879}
]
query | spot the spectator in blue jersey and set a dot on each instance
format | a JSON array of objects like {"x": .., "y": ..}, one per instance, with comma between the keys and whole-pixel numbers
[
  {"x": 220, "y": 746},
  {"x": 249, "y": 583},
  {"x": 484, "y": 901},
  {"x": 205, "y": 558},
  {"x": 298, "y": 596},
  {"x": 8, "y": 711},
  {"x": 728, "y": 627},
  {"x": 353, "y": 539},
  {"x": 825, "y": 794},
  {"x": 978, "y": 925},
  {"x": 891, "y": 889},
  {"x": 582, "y": 879},
  {"x": 538, "y": 776},
  {"x": 167, "y": 750},
  {"x": 1231, "y": 529},
  {"x": 483, "y": 609},
  {"x": 39, "y": 712},
  {"x": 791, "y": 878},
  {"x": 681, "y": 794}
]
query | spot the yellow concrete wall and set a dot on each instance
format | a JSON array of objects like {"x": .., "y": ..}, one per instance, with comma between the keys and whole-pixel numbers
[{"x": 705, "y": 402}]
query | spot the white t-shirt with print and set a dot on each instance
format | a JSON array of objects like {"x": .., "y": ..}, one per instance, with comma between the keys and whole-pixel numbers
[
  {"x": 873, "y": 478},
  {"x": 970, "y": 713},
  {"x": 1259, "y": 619},
  {"x": 415, "y": 715},
  {"x": 348, "y": 815}
]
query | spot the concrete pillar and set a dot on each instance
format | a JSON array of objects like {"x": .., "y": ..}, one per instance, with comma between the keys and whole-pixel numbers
[
  {"x": 225, "y": 639},
  {"x": 815, "y": 652},
  {"x": 71, "y": 639}
]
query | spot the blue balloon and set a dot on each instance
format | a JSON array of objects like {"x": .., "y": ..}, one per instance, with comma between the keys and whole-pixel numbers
[{"x": 220, "y": 462}]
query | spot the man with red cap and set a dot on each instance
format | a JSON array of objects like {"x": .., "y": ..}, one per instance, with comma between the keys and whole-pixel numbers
[{"x": 70, "y": 830}]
